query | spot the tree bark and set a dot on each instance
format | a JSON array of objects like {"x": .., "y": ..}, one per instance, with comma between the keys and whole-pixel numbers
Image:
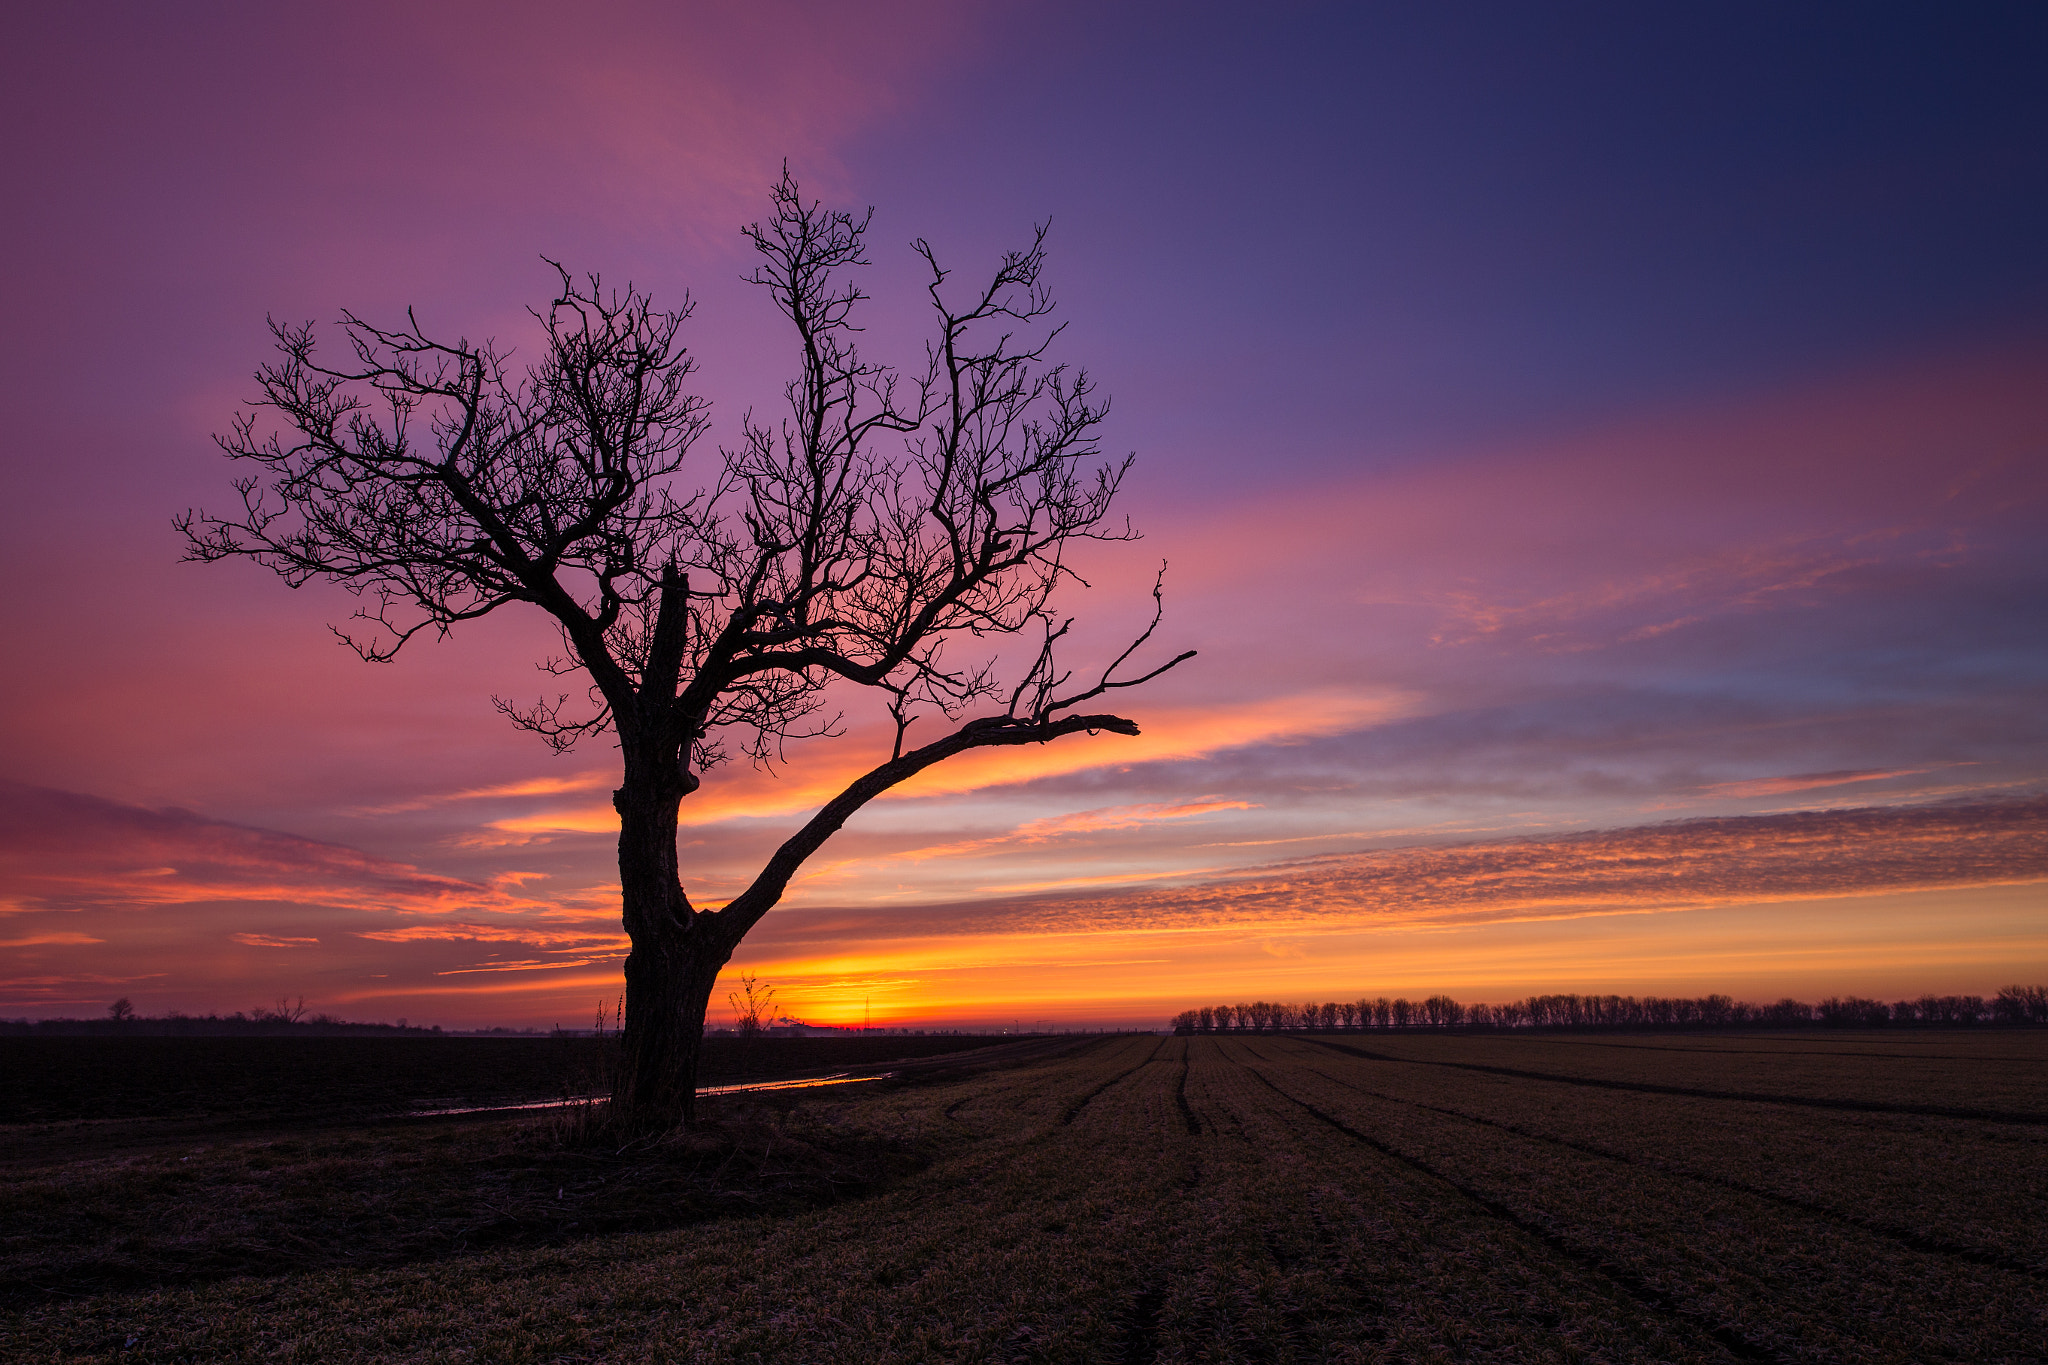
[
  {"x": 669, "y": 980},
  {"x": 674, "y": 961}
]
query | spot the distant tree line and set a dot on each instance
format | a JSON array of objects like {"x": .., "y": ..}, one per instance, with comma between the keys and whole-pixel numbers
[
  {"x": 284, "y": 1019},
  {"x": 2012, "y": 1005}
]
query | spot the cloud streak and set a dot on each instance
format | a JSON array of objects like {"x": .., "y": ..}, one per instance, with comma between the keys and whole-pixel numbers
[
  {"x": 67, "y": 851},
  {"x": 1682, "y": 865}
]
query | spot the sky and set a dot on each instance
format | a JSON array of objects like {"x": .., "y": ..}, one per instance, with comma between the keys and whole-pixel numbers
[{"x": 1599, "y": 452}]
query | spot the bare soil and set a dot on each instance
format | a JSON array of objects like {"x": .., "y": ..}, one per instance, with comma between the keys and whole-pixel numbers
[{"x": 1138, "y": 1199}]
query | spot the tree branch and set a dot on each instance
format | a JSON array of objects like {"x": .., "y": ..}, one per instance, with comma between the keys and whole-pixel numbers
[{"x": 745, "y": 910}]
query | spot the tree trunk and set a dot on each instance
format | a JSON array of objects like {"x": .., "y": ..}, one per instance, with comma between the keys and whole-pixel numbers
[
  {"x": 668, "y": 988},
  {"x": 674, "y": 963}
]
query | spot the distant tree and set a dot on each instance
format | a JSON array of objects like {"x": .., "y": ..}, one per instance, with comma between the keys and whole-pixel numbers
[
  {"x": 2021, "y": 1005},
  {"x": 1787, "y": 1011},
  {"x": 285, "y": 1011},
  {"x": 1404, "y": 1013},
  {"x": 1952, "y": 1010},
  {"x": 1853, "y": 1012},
  {"x": 847, "y": 546},
  {"x": 122, "y": 1010}
]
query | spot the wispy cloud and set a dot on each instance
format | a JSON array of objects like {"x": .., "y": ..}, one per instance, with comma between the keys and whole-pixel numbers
[
  {"x": 1800, "y": 782},
  {"x": 441, "y": 932},
  {"x": 1647, "y": 603},
  {"x": 272, "y": 941},
  {"x": 1687, "y": 864},
  {"x": 530, "y": 965},
  {"x": 1170, "y": 732},
  {"x": 49, "y": 940},
  {"x": 1103, "y": 820},
  {"x": 535, "y": 786},
  {"x": 66, "y": 851}
]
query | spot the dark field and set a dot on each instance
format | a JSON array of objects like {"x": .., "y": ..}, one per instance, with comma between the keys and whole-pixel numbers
[
  {"x": 50, "y": 1080},
  {"x": 1873, "y": 1197}
]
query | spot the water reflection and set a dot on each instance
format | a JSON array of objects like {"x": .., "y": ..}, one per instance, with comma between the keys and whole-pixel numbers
[{"x": 808, "y": 1083}]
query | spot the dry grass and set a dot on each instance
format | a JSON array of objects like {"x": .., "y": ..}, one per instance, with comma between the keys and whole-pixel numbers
[{"x": 1142, "y": 1199}]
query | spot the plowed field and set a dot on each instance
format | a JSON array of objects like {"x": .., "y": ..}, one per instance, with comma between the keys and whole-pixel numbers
[{"x": 1347, "y": 1198}]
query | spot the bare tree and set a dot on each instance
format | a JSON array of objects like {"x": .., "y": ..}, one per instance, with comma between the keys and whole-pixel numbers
[
  {"x": 878, "y": 521},
  {"x": 284, "y": 1012},
  {"x": 753, "y": 1006}
]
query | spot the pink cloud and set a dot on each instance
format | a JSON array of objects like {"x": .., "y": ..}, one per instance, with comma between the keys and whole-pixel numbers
[
  {"x": 1589, "y": 540},
  {"x": 1800, "y": 782},
  {"x": 65, "y": 851},
  {"x": 493, "y": 933},
  {"x": 1051, "y": 827}
]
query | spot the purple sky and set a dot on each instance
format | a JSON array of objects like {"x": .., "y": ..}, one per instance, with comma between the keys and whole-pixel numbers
[{"x": 1556, "y": 419}]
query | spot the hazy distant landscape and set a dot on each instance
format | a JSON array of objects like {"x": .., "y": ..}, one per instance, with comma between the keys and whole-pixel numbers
[{"x": 1821, "y": 1194}]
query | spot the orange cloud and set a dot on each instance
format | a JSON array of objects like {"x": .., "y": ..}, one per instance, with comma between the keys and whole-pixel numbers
[
  {"x": 493, "y": 933},
  {"x": 50, "y": 940},
  {"x": 1685, "y": 864},
  {"x": 271, "y": 941},
  {"x": 1170, "y": 732},
  {"x": 1080, "y": 822},
  {"x": 535, "y": 786},
  {"x": 531, "y": 965}
]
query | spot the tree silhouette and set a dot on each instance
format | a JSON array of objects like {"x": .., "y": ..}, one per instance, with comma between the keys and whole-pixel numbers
[
  {"x": 881, "y": 519},
  {"x": 753, "y": 1006}
]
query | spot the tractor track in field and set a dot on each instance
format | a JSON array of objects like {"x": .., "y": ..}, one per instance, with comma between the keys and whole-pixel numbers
[
  {"x": 1645, "y": 1087},
  {"x": 1073, "y": 1111},
  {"x": 1772, "y": 1052},
  {"x": 1633, "y": 1286},
  {"x": 1911, "y": 1240},
  {"x": 1180, "y": 1098}
]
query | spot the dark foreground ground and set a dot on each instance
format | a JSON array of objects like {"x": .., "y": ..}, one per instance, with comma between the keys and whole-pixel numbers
[
  {"x": 1735, "y": 1197},
  {"x": 53, "y": 1080}
]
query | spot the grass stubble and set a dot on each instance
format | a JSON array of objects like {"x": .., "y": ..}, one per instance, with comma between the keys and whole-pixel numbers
[{"x": 1129, "y": 1199}]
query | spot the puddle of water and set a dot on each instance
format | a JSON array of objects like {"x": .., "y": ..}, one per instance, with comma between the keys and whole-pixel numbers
[
  {"x": 841, "y": 1079},
  {"x": 499, "y": 1108}
]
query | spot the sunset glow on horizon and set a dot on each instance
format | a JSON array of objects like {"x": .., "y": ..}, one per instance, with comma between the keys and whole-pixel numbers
[{"x": 1610, "y": 518}]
